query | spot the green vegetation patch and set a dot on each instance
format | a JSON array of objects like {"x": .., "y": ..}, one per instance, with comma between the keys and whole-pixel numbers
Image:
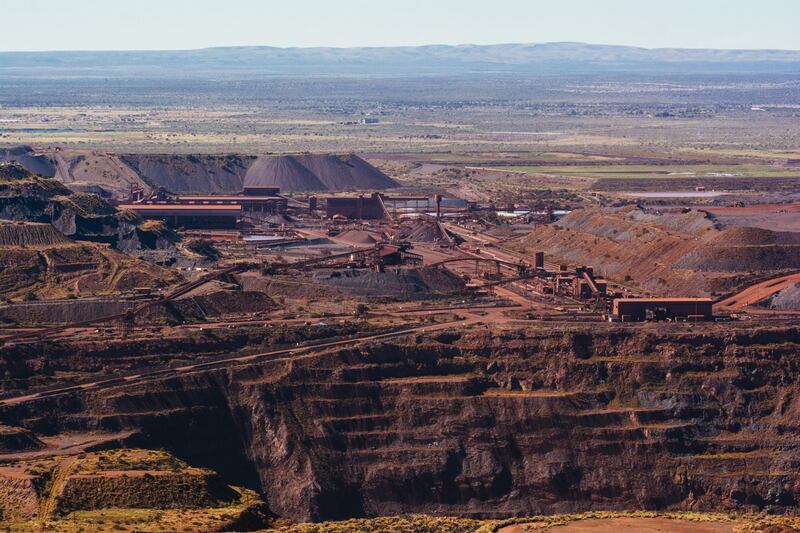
[
  {"x": 395, "y": 524},
  {"x": 121, "y": 490}
]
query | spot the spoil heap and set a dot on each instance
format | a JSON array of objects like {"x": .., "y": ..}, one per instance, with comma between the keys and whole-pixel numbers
[
  {"x": 201, "y": 174},
  {"x": 787, "y": 299},
  {"x": 190, "y": 174},
  {"x": 687, "y": 253},
  {"x": 411, "y": 283},
  {"x": 316, "y": 172},
  {"x": 359, "y": 237},
  {"x": 420, "y": 231}
]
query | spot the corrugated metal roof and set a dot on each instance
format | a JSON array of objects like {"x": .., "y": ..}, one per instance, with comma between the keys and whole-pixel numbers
[
  {"x": 182, "y": 208},
  {"x": 237, "y": 198}
]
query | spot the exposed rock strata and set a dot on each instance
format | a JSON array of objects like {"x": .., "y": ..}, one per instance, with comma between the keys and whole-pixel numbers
[{"x": 475, "y": 424}]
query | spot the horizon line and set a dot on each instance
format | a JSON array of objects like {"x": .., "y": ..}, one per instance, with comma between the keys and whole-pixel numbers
[{"x": 380, "y": 47}]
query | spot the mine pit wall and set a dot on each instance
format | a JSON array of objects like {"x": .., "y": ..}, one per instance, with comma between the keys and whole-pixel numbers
[
  {"x": 19, "y": 498},
  {"x": 480, "y": 424}
]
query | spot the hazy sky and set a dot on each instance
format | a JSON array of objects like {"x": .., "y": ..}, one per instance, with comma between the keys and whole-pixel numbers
[{"x": 180, "y": 24}]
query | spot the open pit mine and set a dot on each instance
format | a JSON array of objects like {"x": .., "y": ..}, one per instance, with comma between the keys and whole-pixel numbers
[{"x": 255, "y": 342}]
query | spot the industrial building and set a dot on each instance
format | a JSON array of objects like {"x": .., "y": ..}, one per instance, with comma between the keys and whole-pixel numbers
[
  {"x": 358, "y": 208},
  {"x": 189, "y": 216},
  {"x": 638, "y": 309},
  {"x": 251, "y": 204},
  {"x": 585, "y": 285},
  {"x": 206, "y": 212}
]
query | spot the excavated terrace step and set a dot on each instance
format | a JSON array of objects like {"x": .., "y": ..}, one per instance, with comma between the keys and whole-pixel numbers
[
  {"x": 428, "y": 384},
  {"x": 358, "y": 406},
  {"x": 384, "y": 372},
  {"x": 343, "y": 424}
]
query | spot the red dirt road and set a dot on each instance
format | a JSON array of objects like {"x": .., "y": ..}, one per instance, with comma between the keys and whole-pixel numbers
[{"x": 758, "y": 292}]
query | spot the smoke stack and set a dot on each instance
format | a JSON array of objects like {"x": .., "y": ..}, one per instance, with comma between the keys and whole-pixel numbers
[{"x": 438, "y": 199}]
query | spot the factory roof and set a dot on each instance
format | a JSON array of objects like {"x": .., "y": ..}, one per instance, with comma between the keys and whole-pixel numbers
[
  {"x": 183, "y": 208},
  {"x": 232, "y": 198}
]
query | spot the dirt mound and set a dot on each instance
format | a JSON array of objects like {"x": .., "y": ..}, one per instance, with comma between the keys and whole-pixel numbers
[
  {"x": 788, "y": 299},
  {"x": 30, "y": 160},
  {"x": 685, "y": 221},
  {"x": 420, "y": 231},
  {"x": 87, "y": 170},
  {"x": 86, "y": 204},
  {"x": 316, "y": 172},
  {"x": 745, "y": 258},
  {"x": 30, "y": 234},
  {"x": 360, "y": 237},
  {"x": 191, "y": 174},
  {"x": 191, "y": 309},
  {"x": 227, "y": 174},
  {"x": 285, "y": 172},
  {"x": 200, "y": 174},
  {"x": 220, "y": 303},
  {"x": 406, "y": 283},
  {"x": 686, "y": 251},
  {"x": 756, "y": 237},
  {"x": 288, "y": 287}
]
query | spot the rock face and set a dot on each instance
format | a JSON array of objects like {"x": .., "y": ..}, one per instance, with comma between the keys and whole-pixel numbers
[
  {"x": 482, "y": 424},
  {"x": 29, "y": 159},
  {"x": 25, "y": 197}
]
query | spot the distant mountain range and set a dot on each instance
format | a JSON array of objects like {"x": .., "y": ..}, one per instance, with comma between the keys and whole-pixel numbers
[{"x": 403, "y": 60}]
